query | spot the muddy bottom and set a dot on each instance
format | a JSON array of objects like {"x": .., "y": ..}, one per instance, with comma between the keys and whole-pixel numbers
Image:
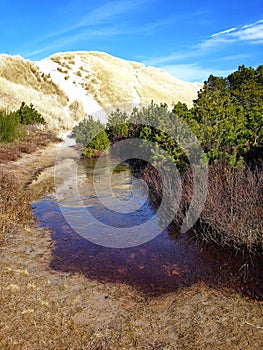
[{"x": 161, "y": 265}]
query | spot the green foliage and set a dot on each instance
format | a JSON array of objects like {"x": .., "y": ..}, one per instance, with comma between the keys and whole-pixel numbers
[
  {"x": 9, "y": 127},
  {"x": 227, "y": 118},
  {"x": 91, "y": 133},
  {"x": 11, "y": 123},
  {"x": 28, "y": 115},
  {"x": 117, "y": 125},
  {"x": 89, "y": 152},
  {"x": 218, "y": 122},
  {"x": 227, "y": 115},
  {"x": 246, "y": 85},
  {"x": 152, "y": 124}
]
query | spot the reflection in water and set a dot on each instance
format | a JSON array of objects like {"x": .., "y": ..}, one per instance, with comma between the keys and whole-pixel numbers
[{"x": 158, "y": 266}]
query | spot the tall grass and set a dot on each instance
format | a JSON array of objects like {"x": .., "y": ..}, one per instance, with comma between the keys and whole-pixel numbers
[{"x": 9, "y": 127}]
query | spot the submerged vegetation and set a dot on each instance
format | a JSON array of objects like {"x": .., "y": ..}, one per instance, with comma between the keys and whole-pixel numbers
[{"x": 227, "y": 120}]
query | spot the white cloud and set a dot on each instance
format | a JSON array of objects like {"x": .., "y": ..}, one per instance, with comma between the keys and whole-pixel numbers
[
  {"x": 250, "y": 33},
  {"x": 224, "y": 32}
]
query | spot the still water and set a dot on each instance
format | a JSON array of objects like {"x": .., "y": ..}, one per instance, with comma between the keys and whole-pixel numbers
[{"x": 160, "y": 265}]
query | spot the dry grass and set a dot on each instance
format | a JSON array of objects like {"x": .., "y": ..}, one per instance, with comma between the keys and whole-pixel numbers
[
  {"x": 15, "y": 209},
  {"x": 233, "y": 213},
  {"x": 112, "y": 82},
  {"x": 29, "y": 143},
  {"x": 76, "y": 111},
  {"x": 14, "y": 206},
  {"x": 115, "y": 78},
  {"x": 19, "y": 71},
  {"x": 12, "y": 94},
  {"x": 42, "y": 309},
  {"x": 155, "y": 84},
  {"x": 150, "y": 83}
]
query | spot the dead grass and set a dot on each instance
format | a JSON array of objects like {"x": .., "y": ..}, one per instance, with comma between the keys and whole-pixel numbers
[
  {"x": 117, "y": 81},
  {"x": 14, "y": 206},
  {"x": 15, "y": 209},
  {"x": 42, "y": 309}
]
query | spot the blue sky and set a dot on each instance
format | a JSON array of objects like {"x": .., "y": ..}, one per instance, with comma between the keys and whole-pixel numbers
[{"x": 189, "y": 39}]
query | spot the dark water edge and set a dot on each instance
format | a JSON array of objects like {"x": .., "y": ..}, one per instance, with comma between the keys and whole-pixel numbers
[{"x": 159, "y": 266}]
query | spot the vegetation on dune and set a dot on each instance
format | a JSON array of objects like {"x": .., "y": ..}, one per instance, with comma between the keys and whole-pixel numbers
[
  {"x": 50, "y": 107},
  {"x": 27, "y": 115},
  {"x": 26, "y": 73},
  {"x": 10, "y": 123}
]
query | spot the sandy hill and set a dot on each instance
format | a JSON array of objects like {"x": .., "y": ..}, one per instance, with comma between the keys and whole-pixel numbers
[{"x": 67, "y": 86}]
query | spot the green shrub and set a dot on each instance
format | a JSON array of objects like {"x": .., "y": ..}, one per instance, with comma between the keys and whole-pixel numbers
[
  {"x": 28, "y": 115},
  {"x": 89, "y": 152},
  {"x": 9, "y": 127},
  {"x": 91, "y": 133}
]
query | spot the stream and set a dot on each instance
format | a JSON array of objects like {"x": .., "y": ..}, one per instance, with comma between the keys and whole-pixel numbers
[{"x": 159, "y": 265}]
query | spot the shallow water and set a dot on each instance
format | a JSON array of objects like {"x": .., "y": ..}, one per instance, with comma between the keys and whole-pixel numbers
[{"x": 161, "y": 265}]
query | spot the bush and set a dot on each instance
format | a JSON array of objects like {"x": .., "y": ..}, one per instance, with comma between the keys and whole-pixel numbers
[
  {"x": 28, "y": 115},
  {"x": 9, "y": 127},
  {"x": 91, "y": 133}
]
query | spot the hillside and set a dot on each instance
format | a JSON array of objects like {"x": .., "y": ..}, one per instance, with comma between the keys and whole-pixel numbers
[{"x": 67, "y": 86}]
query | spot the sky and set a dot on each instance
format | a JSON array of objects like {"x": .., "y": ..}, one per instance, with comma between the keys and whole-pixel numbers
[{"x": 189, "y": 39}]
